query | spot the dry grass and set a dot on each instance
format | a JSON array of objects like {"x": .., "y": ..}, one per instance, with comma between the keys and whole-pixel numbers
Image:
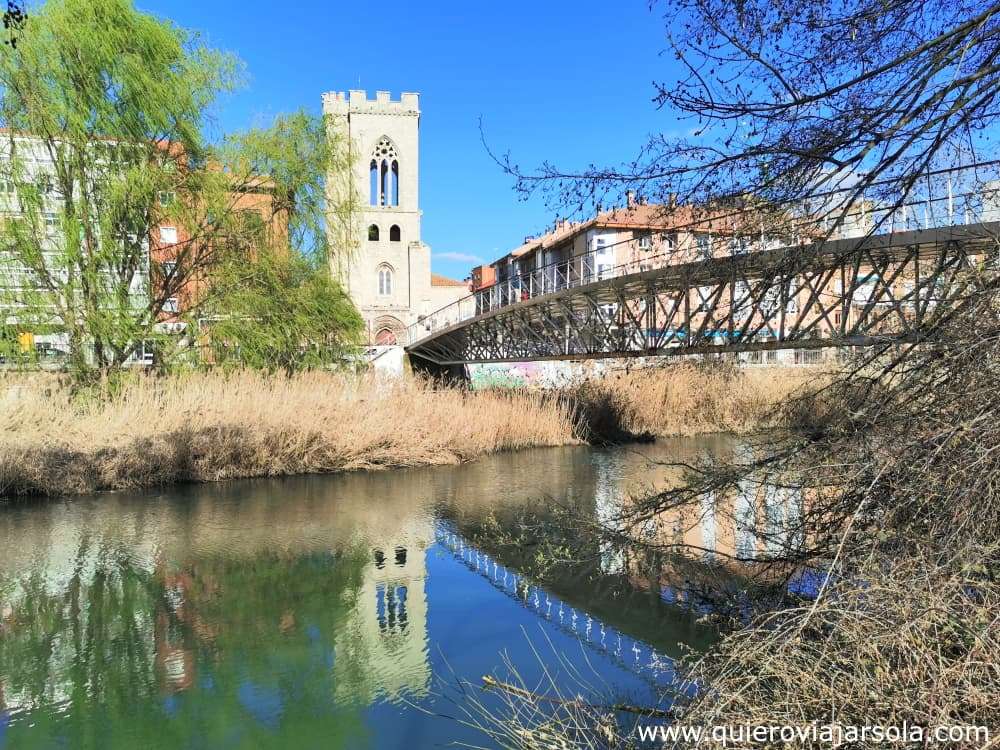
[
  {"x": 210, "y": 427},
  {"x": 691, "y": 399}
]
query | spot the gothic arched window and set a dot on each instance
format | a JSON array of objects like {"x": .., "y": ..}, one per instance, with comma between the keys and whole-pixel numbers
[
  {"x": 385, "y": 280},
  {"x": 395, "y": 234},
  {"x": 373, "y": 233},
  {"x": 395, "y": 183},
  {"x": 384, "y": 174}
]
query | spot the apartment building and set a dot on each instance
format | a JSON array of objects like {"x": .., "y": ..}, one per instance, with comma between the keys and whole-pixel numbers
[{"x": 179, "y": 245}]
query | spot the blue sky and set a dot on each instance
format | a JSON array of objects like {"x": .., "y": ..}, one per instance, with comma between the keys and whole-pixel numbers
[{"x": 566, "y": 80}]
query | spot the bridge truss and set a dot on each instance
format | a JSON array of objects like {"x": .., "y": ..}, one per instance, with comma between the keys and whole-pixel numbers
[{"x": 849, "y": 292}]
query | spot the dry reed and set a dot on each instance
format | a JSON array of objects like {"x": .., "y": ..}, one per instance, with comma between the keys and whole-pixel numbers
[
  {"x": 210, "y": 427},
  {"x": 688, "y": 398},
  {"x": 213, "y": 427}
]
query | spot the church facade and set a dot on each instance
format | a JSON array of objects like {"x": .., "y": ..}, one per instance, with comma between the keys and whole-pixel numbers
[{"x": 387, "y": 269}]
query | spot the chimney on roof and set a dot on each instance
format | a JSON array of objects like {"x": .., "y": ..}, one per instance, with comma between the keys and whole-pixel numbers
[
  {"x": 643, "y": 200},
  {"x": 630, "y": 199},
  {"x": 597, "y": 208}
]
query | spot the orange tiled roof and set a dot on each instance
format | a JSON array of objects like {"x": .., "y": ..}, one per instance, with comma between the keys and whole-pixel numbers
[
  {"x": 659, "y": 216},
  {"x": 642, "y": 216},
  {"x": 439, "y": 280},
  {"x": 561, "y": 232}
]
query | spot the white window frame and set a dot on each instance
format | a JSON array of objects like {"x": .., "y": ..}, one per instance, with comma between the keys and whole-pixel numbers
[{"x": 165, "y": 232}]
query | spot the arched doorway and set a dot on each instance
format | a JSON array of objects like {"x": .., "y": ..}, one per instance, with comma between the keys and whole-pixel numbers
[
  {"x": 388, "y": 330},
  {"x": 385, "y": 337}
]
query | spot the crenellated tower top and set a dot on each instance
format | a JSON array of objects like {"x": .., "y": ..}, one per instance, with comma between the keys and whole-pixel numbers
[{"x": 357, "y": 101}]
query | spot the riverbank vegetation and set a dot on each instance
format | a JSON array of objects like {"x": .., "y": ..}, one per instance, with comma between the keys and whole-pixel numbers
[
  {"x": 889, "y": 506},
  {"x": 215, "y": 426},
  {"x": 694, "y": 398},
  {"x": 210, "y": 427}
]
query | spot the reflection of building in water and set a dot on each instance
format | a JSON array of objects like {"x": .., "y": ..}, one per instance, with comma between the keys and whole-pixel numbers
[
  {"x": 379, "y": 640},
  {"x": 382, "y": 649},
  {"x": 758, "y": 521},
  {"x": 608, "y": 504}
]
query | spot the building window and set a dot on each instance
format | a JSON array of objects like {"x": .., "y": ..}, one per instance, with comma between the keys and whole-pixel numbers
[
  {"x": 705, "y": 296},
  {"x": 373, "y": 233},
  {"x": 384, "y": 280},
  {"x": 144, "y": 353},
  {"x": 395, "y": 183},
  {"x": 703, "y": 244},
  {"x": 168, "y": 235},
  {"x": 738, "y": 245},
  {"x": 169, "y": 266},
  {"x": 167, "y": 197},
  {"x": 395, "y": 235},
  {"x": 51, "y": 223},
  {"x": 645, "y": 241},
  {"x": 384, "y": 174},
  {"x": 171, "y": 305}
]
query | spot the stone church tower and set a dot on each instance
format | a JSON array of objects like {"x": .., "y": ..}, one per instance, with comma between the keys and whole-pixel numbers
[{"x": 388, "y": 271}]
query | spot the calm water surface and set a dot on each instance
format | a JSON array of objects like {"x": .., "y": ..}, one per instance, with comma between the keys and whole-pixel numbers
[{"x": 316, "y": 612}]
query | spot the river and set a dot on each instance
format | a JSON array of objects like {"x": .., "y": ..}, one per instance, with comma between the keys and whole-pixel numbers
[{"x": 344, "y": 611}]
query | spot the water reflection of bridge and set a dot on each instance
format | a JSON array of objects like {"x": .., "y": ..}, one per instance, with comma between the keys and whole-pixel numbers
[{"x": 632, "y": 654}]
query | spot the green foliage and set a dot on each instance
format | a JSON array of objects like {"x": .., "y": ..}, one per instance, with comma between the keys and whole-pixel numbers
[
  {"x": 271, "y": 302},
  {"x": 103, "y": 641},
  {"x": 280, "y": 311},
  {"x": 296, "y": 153},
  {"x": 105, "y": 111}
]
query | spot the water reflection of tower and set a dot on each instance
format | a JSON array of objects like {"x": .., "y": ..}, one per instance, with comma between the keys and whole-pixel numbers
[{"x": 382, "y": 650}]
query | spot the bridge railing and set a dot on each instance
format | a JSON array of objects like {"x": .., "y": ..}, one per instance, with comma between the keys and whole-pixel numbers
[{"x": 947, "y": 197}]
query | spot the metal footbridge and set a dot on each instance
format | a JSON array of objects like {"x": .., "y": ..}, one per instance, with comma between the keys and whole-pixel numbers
[{"x": 822, "y": 290}]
